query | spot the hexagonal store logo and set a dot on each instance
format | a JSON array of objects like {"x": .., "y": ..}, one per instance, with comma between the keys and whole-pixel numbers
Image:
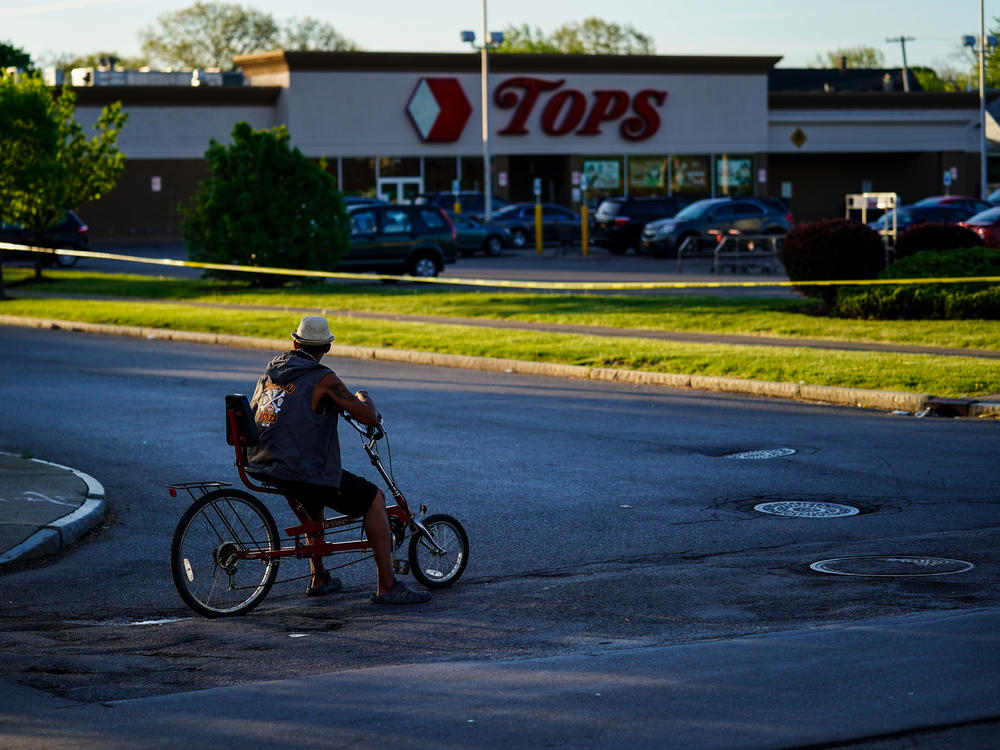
[{"x": 438, "y": 109}]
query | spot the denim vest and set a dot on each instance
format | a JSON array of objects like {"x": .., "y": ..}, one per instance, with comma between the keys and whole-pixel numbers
[{"x": 296, "y": 444}]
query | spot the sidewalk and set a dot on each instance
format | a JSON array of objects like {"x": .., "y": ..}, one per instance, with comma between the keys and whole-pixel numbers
[{"x": 44, "y": 507}]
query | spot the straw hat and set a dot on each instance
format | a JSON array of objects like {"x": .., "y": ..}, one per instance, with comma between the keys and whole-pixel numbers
[{"x": 313, "y": 331}]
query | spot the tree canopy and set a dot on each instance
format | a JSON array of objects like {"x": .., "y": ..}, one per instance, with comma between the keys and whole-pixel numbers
[
  {"x": 592, "y": 36},
  {"x": 14, "y": 57},
  {"x": 265, "y": 204},
  {"x": 48, "y": 165},
  {"x": 210, "y": 34},
  {"x": 856, "y": 57}
]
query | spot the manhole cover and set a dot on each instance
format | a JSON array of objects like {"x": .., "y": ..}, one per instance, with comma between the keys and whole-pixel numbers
[
  {"x": 760, "y": 455},
  {"x": 880, "y": 566},
  {"x": 806, "y": 509}
]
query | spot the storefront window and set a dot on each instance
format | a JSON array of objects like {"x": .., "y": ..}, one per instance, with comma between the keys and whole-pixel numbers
[
  {"x": 603, "y": 175},
  {"x": 439, "y": 173},
  {"x": 472, "y": 173},
  {"x": 733, "y": 175},
  {"x": 691, "y": 176},
  {"x": 647, "y": 175},
  {"x": 395, "y": 166},
  {"x": 358, "y": 176}
]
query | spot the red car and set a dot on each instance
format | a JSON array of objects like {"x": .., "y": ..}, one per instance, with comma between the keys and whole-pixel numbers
[{"x": 987, "y": 225}]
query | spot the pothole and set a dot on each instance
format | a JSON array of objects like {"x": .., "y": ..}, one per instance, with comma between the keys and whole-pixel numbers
[
  {"x": 891, "y": 566},
  {"x": 761, "y": 455},
  {"x": 806, "y": 509}
]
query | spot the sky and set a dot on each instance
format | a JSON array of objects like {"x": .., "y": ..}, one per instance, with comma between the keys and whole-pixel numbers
[{"x": 796, "y": 30}]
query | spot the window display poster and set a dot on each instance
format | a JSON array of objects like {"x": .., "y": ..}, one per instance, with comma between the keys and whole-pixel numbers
[
  {"x": 733, "y": 175},
  {"x": 691, "y": 174},
  {"x": 602, "y": 174},
  {"x": 647, "y": 172}
]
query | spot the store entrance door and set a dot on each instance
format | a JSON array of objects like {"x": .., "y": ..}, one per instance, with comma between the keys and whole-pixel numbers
[{"x": 399, "y": 189}]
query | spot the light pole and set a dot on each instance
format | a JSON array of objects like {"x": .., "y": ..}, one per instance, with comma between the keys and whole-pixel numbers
[
  {"x": 491, "y": 40},
  {"x": 984, "y": 41}
]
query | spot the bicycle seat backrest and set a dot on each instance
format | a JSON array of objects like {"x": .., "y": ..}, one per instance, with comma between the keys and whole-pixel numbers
[{"x": 240, "y": 428}]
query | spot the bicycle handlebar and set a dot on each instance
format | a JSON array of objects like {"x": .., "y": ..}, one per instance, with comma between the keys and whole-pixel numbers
[{"x": 373, "y": 432}]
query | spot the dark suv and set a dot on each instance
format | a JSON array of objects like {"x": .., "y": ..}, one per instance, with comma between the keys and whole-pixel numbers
[
  {"x": 418, "y": 240},
  {"x": 472, "y": 203},
  {"x": 745, "y": 215},
  {"x": 618, "y": 221},
  {"x": 70, "y": 233}
]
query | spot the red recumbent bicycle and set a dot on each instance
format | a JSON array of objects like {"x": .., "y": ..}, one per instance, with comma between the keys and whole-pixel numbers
[{"x": 225, "y": 551}]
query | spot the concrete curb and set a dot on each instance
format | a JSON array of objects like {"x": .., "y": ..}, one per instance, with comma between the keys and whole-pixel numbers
[
  {"x": 62, "y": 532},
  {"x": 856, "y": 397}
]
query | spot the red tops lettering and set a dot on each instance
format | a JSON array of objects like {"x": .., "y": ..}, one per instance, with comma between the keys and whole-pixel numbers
[{"x": 566, "y": 111}]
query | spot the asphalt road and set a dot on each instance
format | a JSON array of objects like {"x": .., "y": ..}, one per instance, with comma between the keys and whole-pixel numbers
[{"x": 603, "y": 518}]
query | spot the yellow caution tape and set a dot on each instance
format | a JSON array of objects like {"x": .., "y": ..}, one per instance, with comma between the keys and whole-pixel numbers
[{"x": 541, "y": 285}]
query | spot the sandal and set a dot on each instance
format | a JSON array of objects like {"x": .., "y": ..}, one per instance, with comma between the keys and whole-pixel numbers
[
  {"x": 401, "y": 594},
  {"x": 332, "y": 585}
]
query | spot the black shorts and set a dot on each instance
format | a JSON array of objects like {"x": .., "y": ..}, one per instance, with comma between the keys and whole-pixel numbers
[{"x": 353, "y": 498}]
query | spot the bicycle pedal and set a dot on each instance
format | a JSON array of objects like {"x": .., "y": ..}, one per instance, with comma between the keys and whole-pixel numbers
[{"x": 401, "y": 566}]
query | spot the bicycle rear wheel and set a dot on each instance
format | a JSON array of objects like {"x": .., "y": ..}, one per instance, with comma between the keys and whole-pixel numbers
[
  {"x": 434, "y": 569},
  {"x": 203, "y": 553}
]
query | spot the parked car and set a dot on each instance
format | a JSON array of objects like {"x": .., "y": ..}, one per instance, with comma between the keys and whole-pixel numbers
[
  {"x": 987, "y": 225},
  {"x": 907, "y": 216},
  {"x": 619, "y": 221},
  {"x": 664, "y": 237},
  {"x": 473, "y": 235},
  {"x": 356, "y": 200},
  {"x": 559, "y": 225},
  {"x": 471, "y": 203},
  {"x": 972, "y": 205},
  {"x": 70, "y": 234},
  {"x": 418, "y": 240}
]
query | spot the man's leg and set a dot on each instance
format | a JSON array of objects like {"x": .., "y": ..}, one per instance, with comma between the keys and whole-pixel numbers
[
  {"x": 377, "y": 529},
  {"x": 319, "y": 574}
]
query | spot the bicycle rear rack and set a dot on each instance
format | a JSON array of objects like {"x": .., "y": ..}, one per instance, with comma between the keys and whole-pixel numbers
[{"x": 195, "y": 489}]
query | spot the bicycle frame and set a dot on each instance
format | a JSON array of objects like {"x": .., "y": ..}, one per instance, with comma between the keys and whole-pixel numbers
[{"x": 315, "y": 544}]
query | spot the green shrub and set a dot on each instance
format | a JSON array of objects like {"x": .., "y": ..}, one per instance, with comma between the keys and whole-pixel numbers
[
  {"x": 930, "y": 301},
  {"x": 934, "y": 236},
  {"x": 265, "y": 204},
  {"x": 831, "y": 249}
]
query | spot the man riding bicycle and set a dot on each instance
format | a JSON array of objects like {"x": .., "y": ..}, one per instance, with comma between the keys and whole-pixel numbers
[{"x": 297, "y": 405}]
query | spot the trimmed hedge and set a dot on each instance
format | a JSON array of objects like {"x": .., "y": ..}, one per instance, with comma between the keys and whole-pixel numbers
[
  {"x": 929, "y": 301},
  {"x": 934, "y": 236},
  {"x": 831, "y": 249}
]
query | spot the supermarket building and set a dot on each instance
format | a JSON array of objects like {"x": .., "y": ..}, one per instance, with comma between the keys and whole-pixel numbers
[{"x": 397, "y": 124}]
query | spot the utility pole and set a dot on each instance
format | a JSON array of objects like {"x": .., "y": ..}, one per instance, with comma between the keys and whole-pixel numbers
[{"x": 906, "y": 72}]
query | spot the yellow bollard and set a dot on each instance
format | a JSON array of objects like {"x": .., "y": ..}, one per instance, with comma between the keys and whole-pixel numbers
[
  {"x": 583, "y": 230},
  {"x": 538, "y": 228},
  {"x": 456, "y": 207}
]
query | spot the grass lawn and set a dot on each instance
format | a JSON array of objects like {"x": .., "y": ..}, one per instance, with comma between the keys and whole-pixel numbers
[
  {"x": 937, "y": 375},
  {"x": 790, "y": 316}
]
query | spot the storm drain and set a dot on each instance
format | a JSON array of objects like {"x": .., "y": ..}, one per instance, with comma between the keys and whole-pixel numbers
[
  {"x": 806, "y": 509},
  {"x": 761, "y": 455},
  {"x": 879, "y": 566}
]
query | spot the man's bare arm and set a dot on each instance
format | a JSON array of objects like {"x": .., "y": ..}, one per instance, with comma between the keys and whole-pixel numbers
[{"x": 359, "y": 405}]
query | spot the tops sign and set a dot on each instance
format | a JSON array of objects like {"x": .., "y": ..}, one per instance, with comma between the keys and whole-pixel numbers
[
  {"x": 568, "y": 111},
  {"x": 439, "y": 109}
]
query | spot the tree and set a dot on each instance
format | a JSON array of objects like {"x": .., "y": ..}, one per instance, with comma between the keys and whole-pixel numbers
[
  {"x": 856, "y": 57},
  {"x": 98, "y": 60},
  {"x": 265, "y": 204},
  {"x": 590, "y": 37},
  {"x": 210, "y": 34},
  {"x": 47, "y": 164},
  {"x": 14, "y": 57}
]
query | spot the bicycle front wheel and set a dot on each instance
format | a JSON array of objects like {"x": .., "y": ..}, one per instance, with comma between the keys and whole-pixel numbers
[
  {"x": 433, "y": 568},
  {"x": 205, "y": 561}
]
